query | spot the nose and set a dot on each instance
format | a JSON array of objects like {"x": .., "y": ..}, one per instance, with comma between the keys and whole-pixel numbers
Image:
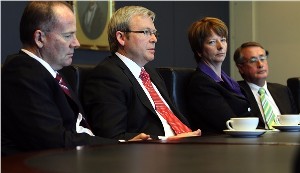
[
  {"x": 75, "y": 43},
  {"x": 219, "y": 45},
  {"x": 260, "y": 64},
  {"x": 153, "y": 38}
]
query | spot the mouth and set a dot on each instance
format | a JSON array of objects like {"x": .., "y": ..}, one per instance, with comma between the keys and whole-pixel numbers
[
  {"x": 220, "y": 54},
  {"x": 262, "y": 71},
  {"x": 152, "y": 50},
  {"x": 70, "y": 54}
]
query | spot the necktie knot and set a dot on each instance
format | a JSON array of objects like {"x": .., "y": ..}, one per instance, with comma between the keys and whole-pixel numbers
[
  {"x": 144, "y": 75},
  {"x": 58, "y": 78},
  {"x": 261, "y": 91},
  {"x": 160, "y": 106},
  {"x": 62, "y": 84}
]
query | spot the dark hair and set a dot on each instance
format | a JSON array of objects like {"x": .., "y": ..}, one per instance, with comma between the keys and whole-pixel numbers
[
  {"x": 238, "y": 59},
  {"x": 202, "y": 29},
  {"x": 38, "y": 15}
]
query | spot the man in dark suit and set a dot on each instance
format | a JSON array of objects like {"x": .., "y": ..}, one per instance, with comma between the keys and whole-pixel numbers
[
  {"x": 36, "y": 112},
  {"x": 251, "y": 60},
  {"x": 118, "y": 103}
]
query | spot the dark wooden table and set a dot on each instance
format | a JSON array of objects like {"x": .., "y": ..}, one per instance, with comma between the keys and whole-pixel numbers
[
  {"x": 269, "y": 138},
  {"x": 270, "y": 153}
]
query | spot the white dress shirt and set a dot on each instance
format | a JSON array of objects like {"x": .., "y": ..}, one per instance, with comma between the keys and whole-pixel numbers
[
  {"x": 136, "y": 70},
  {"x": 254, "y": 89}
]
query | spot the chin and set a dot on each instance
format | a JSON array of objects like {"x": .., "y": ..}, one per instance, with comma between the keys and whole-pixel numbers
[
  {"x": 151, "y": 58},
  {"x": 68, "y": 62},
  {"x": 264, "y": 77}
]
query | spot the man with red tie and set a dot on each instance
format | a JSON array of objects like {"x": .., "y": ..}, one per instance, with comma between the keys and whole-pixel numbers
[
  {"x": 39, "y": 110},
  {"x": 122, "y": 96}
]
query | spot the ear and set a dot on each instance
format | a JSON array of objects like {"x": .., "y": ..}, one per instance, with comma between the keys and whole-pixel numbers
[
  {"x": 120, "y": 37},
  {"x": 39, "y": 38},
  {"x": 199, "y": 54},
  {"x": 240, "y": 67}
]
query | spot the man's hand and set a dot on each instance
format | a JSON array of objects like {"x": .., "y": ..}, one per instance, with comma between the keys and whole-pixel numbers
[
  {"x": 188, "y": 134},
  {"x": 140, "y": 137}
]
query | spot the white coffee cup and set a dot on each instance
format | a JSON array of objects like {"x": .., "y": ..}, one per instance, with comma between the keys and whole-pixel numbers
[
  {"x": 245, "y": 123},
  {"x": 289, "y": 119}
]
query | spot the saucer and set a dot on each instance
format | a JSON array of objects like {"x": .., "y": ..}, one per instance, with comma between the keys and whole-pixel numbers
[
  {"x": 244, "y": 133},
  {"x": 287, "y": 128}
]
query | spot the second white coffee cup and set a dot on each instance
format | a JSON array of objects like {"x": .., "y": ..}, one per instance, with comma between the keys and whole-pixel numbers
[
  {"x": 289, "y": 119},
  {"x": 245, "y": 123}
]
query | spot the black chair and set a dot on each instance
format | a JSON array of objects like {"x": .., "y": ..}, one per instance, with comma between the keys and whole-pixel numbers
[
  {"x": 176, "y": 80},
  {"x": 294, "y": 85},
  {"x": 76, "y": 75}
]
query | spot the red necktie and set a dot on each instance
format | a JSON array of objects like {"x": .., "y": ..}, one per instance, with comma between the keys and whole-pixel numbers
[
  {"x": 66, "y": 90},
  {"x": 161, "y": 108},
  {"x": 62, "y": 84}
]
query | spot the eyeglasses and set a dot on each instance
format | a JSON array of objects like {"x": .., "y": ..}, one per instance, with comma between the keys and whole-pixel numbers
[
  {"x": 146, "y": 32},
  {"x": 254, "y": 60}
]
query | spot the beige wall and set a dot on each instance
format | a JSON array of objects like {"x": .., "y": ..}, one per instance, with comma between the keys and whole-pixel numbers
[{"x": 276, "y": 25}]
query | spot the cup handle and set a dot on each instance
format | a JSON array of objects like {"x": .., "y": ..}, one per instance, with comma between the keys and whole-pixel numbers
[{"x": 228, "y": 124}]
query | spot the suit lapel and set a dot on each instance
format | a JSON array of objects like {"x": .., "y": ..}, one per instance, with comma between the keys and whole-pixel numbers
[
  {"x": 73, "y": 97},
  {"x": 277, "y": 96},
  {"x": 157, "y": 82},
  {"x": 253, "y": 103},
  {"x": 139, "y": 90}
]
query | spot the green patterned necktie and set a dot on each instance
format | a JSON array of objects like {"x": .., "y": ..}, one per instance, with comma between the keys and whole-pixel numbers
[{"x": 269, "y": 115}]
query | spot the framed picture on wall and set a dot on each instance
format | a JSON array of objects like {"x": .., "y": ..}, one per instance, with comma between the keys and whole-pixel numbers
[{"x": 91, "y": 21}]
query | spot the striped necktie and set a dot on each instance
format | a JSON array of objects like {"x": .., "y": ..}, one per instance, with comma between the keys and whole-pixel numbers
[
  {"x": 62, "y": 84},
  {"x": 177, "y": 126},
  {"x": 270, "y": 118},
  {"x": 66, "y": 90}
]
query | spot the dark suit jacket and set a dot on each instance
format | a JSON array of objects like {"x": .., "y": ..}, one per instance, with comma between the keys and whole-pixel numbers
[
  {"x": 118, "y": 106},
  {"x": 210, "y": 104},
  {"x": 36, "y": 114},
  {"x": 281, "y": 95}
]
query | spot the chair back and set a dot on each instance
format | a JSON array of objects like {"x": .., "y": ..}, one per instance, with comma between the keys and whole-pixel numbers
[
  {"x": 176, "y": 80},
  {"x": 76, "y": 76},
  {"x": 294, "y": 85}
]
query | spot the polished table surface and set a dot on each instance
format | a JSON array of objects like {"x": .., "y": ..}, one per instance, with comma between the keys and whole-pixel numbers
[
  {"x": 271, "y": 152},
  {"x": 269, "y": 138}
]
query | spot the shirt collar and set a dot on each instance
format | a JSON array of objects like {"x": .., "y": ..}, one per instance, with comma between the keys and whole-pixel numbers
[
  {"x": 133, "y": 67},
  {"x": 207, "y": 70},
  {"x": 44, "y": 63},
  {"x": 232, "y": 84},
  {"x": 255, "y": 87}
]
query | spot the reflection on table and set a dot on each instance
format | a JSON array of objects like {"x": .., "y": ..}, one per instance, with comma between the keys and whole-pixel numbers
[
  {"x": 270, "y": 153},
  {"x": 268, "y": 138}
]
